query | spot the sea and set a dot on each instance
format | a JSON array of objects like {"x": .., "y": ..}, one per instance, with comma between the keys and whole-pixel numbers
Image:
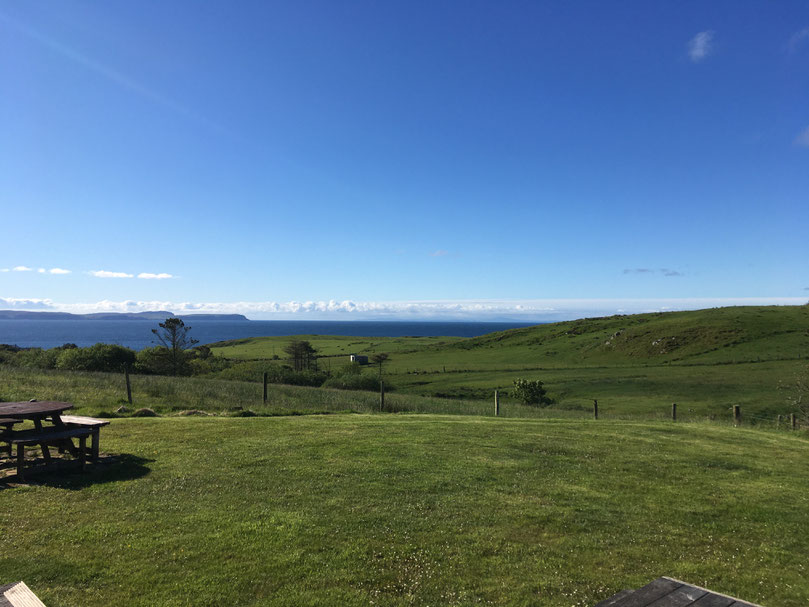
[{"x": 137, "y": 334}]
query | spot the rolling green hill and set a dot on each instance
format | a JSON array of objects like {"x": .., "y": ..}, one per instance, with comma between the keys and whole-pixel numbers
[
  {"x": 706, "y": 360},
  {"x": 719, "y": 335}
]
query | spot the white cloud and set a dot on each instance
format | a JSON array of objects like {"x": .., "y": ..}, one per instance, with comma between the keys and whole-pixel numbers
[
  {"x": 11, "y": 303},
  {"x": 107, "y": 274},
  {"x": 150, "y": 276},
  {"x": 22, "y": 269},
  {"x": 798, "y": 39},
  {"x": 4, "y": 270},
  {"x": 700, "y": 46},
  {"x": 803, "y": 138},
  {"x": 526, "y": 310},
  {"x": 42, "y": 270},
  {"x": 58, "y": 271}
]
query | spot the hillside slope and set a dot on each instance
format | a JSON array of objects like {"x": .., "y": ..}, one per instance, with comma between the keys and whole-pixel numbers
[{"x": 720, "y": 335}]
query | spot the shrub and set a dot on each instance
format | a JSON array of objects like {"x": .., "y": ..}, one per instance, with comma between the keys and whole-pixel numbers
[
  {"x": 159, "y": 361},
  {"x": 100, "y": 357},
  {"x": 530, "y": 392},
  {"x": 36, "y": 358}
]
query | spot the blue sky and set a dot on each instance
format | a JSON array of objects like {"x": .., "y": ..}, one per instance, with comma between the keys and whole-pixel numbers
[{"x": 403, "y": 159}]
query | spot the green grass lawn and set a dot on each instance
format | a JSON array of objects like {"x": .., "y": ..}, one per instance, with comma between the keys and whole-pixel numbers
[{"x": 413, "y": 510}]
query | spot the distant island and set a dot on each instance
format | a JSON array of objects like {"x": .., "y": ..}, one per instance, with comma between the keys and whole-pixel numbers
[{"x": 156, "y": 315}]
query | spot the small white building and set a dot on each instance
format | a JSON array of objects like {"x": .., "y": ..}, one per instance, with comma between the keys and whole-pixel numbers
[{"x": 359, "y": 359}]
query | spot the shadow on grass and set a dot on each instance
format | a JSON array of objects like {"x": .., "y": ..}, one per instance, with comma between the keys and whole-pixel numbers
[{"x": 66, "y": 475}]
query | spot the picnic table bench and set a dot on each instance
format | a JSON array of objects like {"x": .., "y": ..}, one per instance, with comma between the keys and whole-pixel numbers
[{"x": 60, "y": 434}]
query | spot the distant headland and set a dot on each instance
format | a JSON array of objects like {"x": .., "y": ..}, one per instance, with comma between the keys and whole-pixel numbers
[{"x": 153, "y": 315}]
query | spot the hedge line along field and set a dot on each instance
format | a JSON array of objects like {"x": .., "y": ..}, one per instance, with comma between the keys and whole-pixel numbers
[{"x": 413, "y": 510}]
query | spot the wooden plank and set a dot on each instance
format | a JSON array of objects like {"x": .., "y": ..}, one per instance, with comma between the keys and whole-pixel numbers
[
  {"x": 714, "y": 600},
  {"x": 684, "y": 595},
  {"x": 652, "y": 591},
  {"x": 32, "y": 437},
  {"x": 20, "y": 595},
  {"x": 710, "y": 594},
  {"x": 80, "y": 420},
  {"x": 27, "y": 410}
]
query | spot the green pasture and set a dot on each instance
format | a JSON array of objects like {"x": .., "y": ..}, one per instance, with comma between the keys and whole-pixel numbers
[
  {"x": 705, "y": 360},
  {"x": 763, "y": 390},
  {"x": 412, "y": 510}
]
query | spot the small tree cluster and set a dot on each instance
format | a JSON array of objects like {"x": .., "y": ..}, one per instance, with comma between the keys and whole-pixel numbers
[
  {"x": 530, "y": 392},
  {"x": 301, "y": 354}
]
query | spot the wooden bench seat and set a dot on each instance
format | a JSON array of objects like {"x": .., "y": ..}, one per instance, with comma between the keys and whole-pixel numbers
[
  {"x": 46, "y": 439},
  {"x": 50, "y": 437},
  {"x": 79, "y": 420}
]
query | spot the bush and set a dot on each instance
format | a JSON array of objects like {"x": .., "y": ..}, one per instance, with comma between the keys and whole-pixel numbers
[
  {"x": 36, "y": 358},
  {"x": 530, "y": 392},
  {"x": 158, "y": 361},
  {"x": 100, "y": 357}
]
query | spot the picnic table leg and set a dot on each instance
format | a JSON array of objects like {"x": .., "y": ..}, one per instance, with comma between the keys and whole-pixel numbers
[
  {"x": 94, "y": 444},
  {"x": 45, "y": 451},
  {"x": 82, "y": 451},
  {"x": 20, "y": 462}
]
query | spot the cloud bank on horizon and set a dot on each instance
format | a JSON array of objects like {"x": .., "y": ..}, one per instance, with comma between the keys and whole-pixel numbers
[{"x": 462, "y": 310}]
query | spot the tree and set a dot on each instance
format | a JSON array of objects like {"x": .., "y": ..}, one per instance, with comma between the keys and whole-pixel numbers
[
  {"x": 173, "y": 335},
  {"x": 302, "y": 354},
  {"x": 379, "y": 359},
  {"x": 530, "y": 392}
]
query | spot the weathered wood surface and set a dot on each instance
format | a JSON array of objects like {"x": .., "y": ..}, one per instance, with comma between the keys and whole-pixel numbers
[
  {"x": 79, "y": 420},
  {"x": 31, "y": 410},
  {"x": 18, "y": 595},
  {"x": 34, "y": 437},
  {"x": 668, "y": 592}
]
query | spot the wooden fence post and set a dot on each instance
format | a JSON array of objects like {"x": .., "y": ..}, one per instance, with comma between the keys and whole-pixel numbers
[
  {"x": 496, "y": 403},
  {"x": 793, "y": 421},
  {"x": 674, "y": 412},
  {"x": 265, "y": 386},
  {"x": 737, "y": 415},
  {"x": 381, "y": 395},
  {"x": 128, "y": 386},
  {"x": 595, "y": 409},
  {"x": 778, "y": 421}
]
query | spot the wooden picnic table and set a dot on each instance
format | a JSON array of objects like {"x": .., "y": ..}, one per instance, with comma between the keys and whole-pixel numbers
[
  {"x": 35, "y": 410},
  {"x": 60, "y": 434}
]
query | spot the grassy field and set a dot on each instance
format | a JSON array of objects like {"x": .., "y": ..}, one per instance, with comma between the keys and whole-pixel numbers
[
  {"x": 622, "y": 393},
  {"x": 706, "y": 360},
  {"x": 413, "y": 510}
]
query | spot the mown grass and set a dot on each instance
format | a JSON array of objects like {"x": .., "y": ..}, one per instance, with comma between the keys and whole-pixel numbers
[{"x": 413, "y": 510}]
